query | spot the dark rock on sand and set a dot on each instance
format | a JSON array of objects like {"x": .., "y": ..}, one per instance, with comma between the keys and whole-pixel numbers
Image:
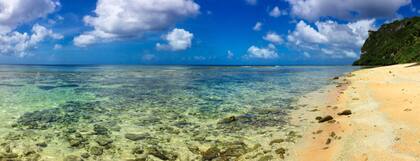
[
  {"x": 345, "y": 112},
  {"x": 325, "y": 119},
  {"x": 136, "y": 137}
]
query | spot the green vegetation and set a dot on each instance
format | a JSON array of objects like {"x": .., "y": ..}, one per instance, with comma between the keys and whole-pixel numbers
[{"x": 394, "y": 43}]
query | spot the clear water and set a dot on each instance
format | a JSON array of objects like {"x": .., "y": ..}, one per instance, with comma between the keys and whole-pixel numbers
[{"x": 163, "y": 112}]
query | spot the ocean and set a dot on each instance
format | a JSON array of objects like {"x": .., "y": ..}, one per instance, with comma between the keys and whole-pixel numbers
[{"x": 150, "y": 112}]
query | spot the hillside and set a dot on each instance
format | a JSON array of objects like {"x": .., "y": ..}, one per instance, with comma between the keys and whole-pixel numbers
[{"x": 394, "y": 43}]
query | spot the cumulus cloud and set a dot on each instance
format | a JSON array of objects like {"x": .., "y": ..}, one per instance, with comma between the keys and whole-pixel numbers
[
  {"x": 16, "y": 43},
  {"x": 178, "y": 39},
  {"x": 257, "y": 26},
  {"x": 345, "y": 9},
  {"x": 331, "y": 38},
  {"x": 273, "y": 38},
  {"x": 276, "y": 12},
  {"x": 269, "y": 52},
  {"x": 17, "y": 12},
  {"x": 120, "y": 19}
]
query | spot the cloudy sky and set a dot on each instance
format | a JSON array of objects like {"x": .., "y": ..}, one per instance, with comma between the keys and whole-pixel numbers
[{"x": 192, "y": 31}]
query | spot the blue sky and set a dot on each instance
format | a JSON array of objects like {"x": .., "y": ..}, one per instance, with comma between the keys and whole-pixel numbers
[{"x": 213, "y": 32}]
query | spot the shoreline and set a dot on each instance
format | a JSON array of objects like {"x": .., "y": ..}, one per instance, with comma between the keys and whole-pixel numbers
[{"x": 382, "y": 124}]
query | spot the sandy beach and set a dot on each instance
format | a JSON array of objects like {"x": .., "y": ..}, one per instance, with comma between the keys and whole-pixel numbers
[{"x": 384, "y": 124}]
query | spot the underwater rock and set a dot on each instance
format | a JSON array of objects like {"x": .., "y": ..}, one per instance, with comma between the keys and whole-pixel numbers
[
  {"x": 276, "y": 141},
  {"x": 345, "y": 112},
  {"x": 8, "y": 156},
  {"x": 138, "y": 150},
  {"x": 65, "y": 114},
  {"x": 42, "y": 144},
  {"x": 161, "y": 154},
  {"x": 136, "y": 137},
  {"x": 39, "y": 119},
  {"x": 85, "y": 155},
  {"x": 96, "y": 150},
  {"x": 325, "y": 119},
  {"x": 266, "y": 158},
  {"x": 281, "y": 152},
  {"x": 103, "y": 140},
  {"x": 228, "y": 120},
  {"x": 76, "y": 140},
  {"x": 234, "y": 150},
  {"x": 100, "y": 130},
  {"x": 211, "y": 153},
  {"x": 72, "y": 158}
]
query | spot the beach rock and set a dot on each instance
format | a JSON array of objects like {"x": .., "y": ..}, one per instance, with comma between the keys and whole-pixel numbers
[
  {"x": 335, "y": 78},
  {"x": 325, "y": 119},
  {"x": 345, "y": 112},
  {"x": 96, "y": 150},
  {"x": 211, "y": 153},
  {"x": 100, "y": 130},
  {"x": 136, "y": 137}
]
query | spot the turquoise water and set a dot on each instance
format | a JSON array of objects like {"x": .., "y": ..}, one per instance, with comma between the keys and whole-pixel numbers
[{"x": 151, "y": 112}]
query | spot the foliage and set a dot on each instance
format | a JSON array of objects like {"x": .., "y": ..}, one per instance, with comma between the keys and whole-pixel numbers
[{"x": 394, "y": 43}]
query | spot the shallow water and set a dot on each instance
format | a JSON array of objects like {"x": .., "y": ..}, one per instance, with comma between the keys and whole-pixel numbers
[{"x": 151, "y": 112}]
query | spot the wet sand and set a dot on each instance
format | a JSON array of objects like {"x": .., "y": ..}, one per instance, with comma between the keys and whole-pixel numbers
[{"x": 384, "y": 123}]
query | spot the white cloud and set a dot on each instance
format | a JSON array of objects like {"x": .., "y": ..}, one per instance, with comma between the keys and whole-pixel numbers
[
  {"x": 251, "y": 2},
  {"x": 331, "y": 38},
  {"x": 257, "y": 26},
  {"x": 16, "y": 43},
  {"x": 269, "y": 52},
  {"x": 17, "y": 12},
  {"x": 58, "y": 46},
  {"x": 178, "y": 39},
  {"x": 273, "y": 38},
  {"x": 346, "y": 9},
  {"x": 230, "y": 54},
  {"x": 120, "y": 19},
  {"x": 14, "y": 13},
  {"x": 276, "y": 12}
]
